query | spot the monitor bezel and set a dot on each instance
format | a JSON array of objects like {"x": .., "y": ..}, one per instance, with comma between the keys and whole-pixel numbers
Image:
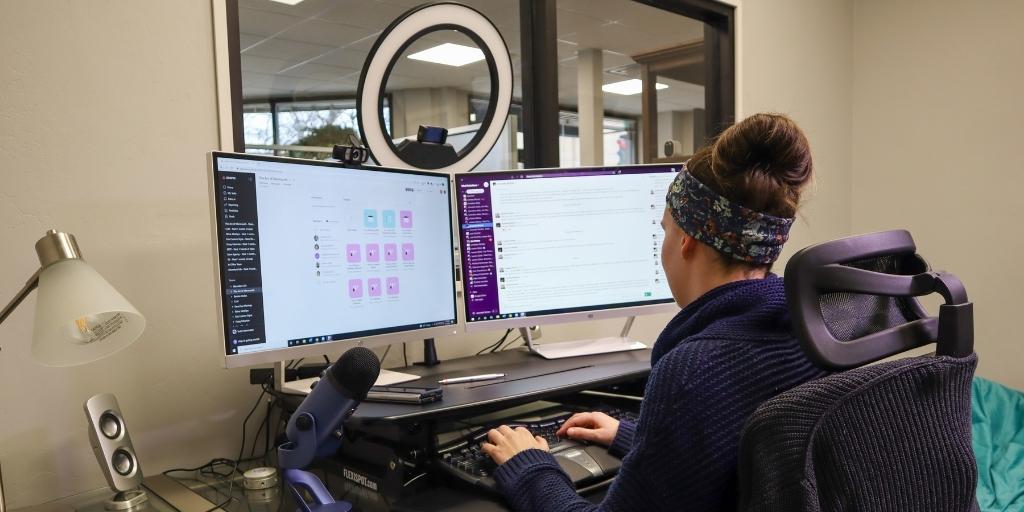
[
  {"x": 337, "y": 346},
  {"x": 601, "y": 311}
]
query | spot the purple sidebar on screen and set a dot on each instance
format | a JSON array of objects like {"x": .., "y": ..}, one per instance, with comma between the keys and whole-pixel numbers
[{"x": 476, "y": 229}]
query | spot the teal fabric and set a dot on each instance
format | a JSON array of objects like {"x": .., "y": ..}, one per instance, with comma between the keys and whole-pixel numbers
[{"x": 998, "y": 428}]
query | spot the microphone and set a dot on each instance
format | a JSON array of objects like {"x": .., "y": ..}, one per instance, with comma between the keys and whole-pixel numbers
[{"x": 315, "y": 429}]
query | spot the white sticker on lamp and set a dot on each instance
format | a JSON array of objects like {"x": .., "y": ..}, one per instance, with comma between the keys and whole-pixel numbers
[{"x": 93, "y": 328}]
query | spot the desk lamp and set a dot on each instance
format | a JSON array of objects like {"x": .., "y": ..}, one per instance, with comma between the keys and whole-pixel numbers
[{"x": 80, "y": 317}]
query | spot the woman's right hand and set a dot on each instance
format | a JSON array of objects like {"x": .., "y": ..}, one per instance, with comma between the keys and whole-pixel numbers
[{"x": 596, "y": 427}]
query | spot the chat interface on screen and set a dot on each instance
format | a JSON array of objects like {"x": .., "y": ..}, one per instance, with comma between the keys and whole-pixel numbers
[
  {"x": 312, "y": 253},
  {"x": 559, "y": 241}
]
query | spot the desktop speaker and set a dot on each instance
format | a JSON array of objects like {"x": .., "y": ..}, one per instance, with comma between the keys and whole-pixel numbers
[{"x": 114, "y": 452}]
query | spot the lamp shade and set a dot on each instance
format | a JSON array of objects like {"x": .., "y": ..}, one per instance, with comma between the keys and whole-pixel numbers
[{"x": 80, "y": 317}]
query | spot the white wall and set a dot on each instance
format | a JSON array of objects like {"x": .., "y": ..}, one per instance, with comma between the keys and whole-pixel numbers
[
  {"x": 106, "y": 112},
  {"x": 938, "y": 121},
  {"x": 795, "y": 57}
]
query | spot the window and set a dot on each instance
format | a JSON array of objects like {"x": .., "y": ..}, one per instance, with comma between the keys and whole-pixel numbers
[
  {"x": 270, "y": 128},
  {"x": 297, "y": 69},
  {"x": 619, "y": 138}
]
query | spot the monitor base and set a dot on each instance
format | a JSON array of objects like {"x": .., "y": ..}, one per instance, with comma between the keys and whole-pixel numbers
[
  {"x": 586, "y": 347},
  {"x": 575, "y": 348}
]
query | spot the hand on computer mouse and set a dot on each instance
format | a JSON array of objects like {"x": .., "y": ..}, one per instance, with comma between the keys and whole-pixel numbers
[
  {"x": 596, "y": 427},
  {"x": 504, "y": 443}
]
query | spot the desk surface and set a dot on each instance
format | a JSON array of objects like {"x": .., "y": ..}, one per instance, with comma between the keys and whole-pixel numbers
[{"x": 527, "y": 377}]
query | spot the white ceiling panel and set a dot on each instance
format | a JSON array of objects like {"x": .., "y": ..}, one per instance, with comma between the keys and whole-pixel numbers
[
  {"x": 319, "y": 46},
  {"x": 303, "y": 9},
  {"x": 247, "y": 40},
  {"x": 679, "y": 95},
  {"x": 372, "y": 16},
  {"x": 264, "y": 23},
  {"x": 293, "y": 52},
  {"x": 342, "y": 58},
  {"x": 254, "y": 63},
  {"x": 406, "y": 4},
  {"x": 325, "y": 33},
  {"x": 320, "y": 72},
  {"x": 566, "y": 48}
]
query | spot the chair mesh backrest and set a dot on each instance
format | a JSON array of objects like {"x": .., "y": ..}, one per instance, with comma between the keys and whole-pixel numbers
[
  {"x": 849, "y": 316},
  {"x": 890, "y": 437}
]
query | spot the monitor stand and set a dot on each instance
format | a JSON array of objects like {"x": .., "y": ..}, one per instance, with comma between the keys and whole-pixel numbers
[
  {"x": 575, "y": 348},
  {"x": 429, "y": 354}
]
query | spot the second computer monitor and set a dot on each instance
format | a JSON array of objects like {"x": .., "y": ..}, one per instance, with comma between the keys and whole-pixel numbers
[{"x": 554, "y": 245}]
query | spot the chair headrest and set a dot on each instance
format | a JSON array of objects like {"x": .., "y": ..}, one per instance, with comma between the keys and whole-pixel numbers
[{"x": 853, "y": 301}]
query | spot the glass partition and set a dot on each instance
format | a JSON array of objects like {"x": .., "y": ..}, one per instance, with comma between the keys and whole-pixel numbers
[
  {"x": 300, "y": 68},
  {"x": 631, "y": 76}
]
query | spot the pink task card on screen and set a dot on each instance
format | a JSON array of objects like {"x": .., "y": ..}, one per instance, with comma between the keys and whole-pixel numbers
[
  {"x": 352, "y": 253},
  {"x": 392, "y": 284},
  {"x": 373, "y": 253},
  {"x": 355, "y": 288},
  {"x": 408, "y": 252},
  {"x": 374, "y": 285},
  {"x": 405, "y": 219},
  {"x": 390, "y": 252}
]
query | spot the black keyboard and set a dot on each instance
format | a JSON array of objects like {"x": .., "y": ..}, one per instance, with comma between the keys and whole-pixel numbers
[{"x": 584, "y": 463}]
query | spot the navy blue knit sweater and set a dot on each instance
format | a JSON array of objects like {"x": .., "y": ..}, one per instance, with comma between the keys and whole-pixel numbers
[{"x": 714, "y": 363}]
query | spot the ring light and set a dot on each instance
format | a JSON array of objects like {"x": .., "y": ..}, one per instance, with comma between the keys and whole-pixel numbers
[{"x": 394, "y": 40}]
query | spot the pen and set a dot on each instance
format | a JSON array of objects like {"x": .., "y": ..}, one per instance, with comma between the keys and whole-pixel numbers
[{"x": 471, "y": 378}]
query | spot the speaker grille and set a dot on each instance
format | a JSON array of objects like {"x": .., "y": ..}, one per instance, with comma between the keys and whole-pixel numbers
[
  {"x": 123, "y": 462},
  {"x": 110, "y": 425}
]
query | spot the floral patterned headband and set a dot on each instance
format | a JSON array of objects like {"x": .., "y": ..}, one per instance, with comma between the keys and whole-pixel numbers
[{"x": 732, "y": 229}]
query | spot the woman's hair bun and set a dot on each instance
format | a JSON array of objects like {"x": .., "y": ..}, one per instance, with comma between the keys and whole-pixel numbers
[
  {"x": 765, "y": 143},
  {"x": 761, "y": 162}
]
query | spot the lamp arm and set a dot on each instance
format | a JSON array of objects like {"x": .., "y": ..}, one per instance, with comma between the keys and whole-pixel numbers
[{"x": 32, "y": 283}]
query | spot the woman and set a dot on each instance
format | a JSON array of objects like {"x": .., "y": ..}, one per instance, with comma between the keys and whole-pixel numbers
[{"x": 730, "y": 348}]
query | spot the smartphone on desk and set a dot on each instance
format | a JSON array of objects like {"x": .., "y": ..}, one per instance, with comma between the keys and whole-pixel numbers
[{"x": 404, "y": 394}]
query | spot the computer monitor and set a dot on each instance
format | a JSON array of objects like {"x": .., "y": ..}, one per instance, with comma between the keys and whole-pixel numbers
[
  {"x": 314, "y": 256},
  {"x": 557, "y": 245}
]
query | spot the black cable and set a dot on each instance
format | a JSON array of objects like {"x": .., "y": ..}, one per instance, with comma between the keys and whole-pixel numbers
[
  {"x": 385, "y": 356},
  {"x": 512, "y": 341},
  {"x": 497, "y": 346},
  {"x": 241, "y": 451},
  {"x": 405, "y": 355},
  {"x": 277, "y": 432},
  {"x": 266, "y": 438},
  {"x": 327, "y": 359},
  {"x": 493, "y": 346},
  {"x": 266, "y": 419},
  {"x": 210, "y": 467}
]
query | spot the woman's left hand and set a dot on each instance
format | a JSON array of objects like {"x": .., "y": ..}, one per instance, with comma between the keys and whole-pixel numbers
[{"x": 504, "y": 443}]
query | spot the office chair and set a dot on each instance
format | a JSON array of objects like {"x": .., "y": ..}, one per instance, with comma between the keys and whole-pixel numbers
[{"x": 893, "y": 436}]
